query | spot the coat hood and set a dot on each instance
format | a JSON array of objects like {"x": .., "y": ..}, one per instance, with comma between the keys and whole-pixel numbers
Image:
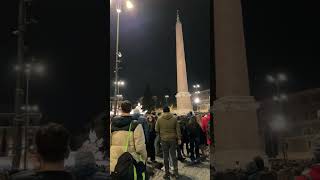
[
  {"x": 167, "y": 116},
  {"x": 121, "y": 123}
]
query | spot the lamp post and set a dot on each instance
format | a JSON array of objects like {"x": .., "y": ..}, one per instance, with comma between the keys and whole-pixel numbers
[
  {"x": 276, "y": 81},
  {"x": 119, "y": 5},
  {"x": 197, "y": 101},
  {"x": 279, "y": 98},
  {"x": 29, "y": 69},
  {"x": 196, "y": 87},
  {"x": 166, "y": 97},
  {"x": 18, "y": 99},
  {"x": 119, "y": 83}
]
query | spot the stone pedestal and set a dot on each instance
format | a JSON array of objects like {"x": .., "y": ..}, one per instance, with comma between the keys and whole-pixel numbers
[
  {"x": 184, "y": 105},
  {"x": 236, "y": 131}
]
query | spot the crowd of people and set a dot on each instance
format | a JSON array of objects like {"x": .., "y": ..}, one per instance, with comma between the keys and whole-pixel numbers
[
  {"x": 279, "y": 169},
  {"x": 52, "y": 148},
  {"x": 164, "y": 134}
]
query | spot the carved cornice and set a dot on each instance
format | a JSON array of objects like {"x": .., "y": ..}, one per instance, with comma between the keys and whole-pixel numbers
[
  {"x": 183, "y": 94},
  {"x": 236, "y": 103}
]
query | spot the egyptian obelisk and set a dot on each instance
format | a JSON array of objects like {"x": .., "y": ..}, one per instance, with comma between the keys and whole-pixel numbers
[
  {"x": 183, "y": 96},
  {"x": 236, "y": 129}
]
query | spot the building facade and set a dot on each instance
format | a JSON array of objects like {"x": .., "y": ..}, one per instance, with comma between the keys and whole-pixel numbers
[
  {"x": 7, "y": 133},
  {"x": 204, "y": 101},
  {"x": 296, "y": 122}
]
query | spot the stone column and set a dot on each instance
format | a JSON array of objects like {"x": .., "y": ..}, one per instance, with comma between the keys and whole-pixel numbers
[
  {"x": 236, "y": 131},
  {"x": 183, "y": 96}
]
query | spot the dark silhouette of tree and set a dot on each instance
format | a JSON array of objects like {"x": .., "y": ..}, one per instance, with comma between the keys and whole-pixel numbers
[
  {"x": 147, "y": 101},
  {"x": 171, "y": 99}
]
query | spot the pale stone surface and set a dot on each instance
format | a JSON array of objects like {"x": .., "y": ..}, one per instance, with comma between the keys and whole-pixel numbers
[
  {"x": 230, "y": 52},
  {"x": 236, "y": 130},
  {"x": 183, "y": 96},
  {"x": 184, "y": 105}
]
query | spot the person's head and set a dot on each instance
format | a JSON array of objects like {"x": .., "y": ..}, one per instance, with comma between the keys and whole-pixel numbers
[
  {"x": 126, "y": 106},
  {"x": 259, "y": 162},
  {"x": 52, "y": 143},
  {"x": 166, "y": 109}
]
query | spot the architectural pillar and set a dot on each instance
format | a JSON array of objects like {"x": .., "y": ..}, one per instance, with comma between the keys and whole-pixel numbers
[
  {"x": 236, "y": 130},
  {"x": 183, "y": 96}
]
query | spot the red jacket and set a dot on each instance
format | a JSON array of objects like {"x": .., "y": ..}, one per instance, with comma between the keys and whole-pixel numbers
[
  {"x": 313, "y": 173},
  {"x": 204, "y": 125}
]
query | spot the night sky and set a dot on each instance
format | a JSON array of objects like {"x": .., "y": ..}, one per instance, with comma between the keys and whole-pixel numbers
[
  {"x": 147, "y": 42},
  {"x": 282, "y": 37},
  {"x": 71, "y": 39}
]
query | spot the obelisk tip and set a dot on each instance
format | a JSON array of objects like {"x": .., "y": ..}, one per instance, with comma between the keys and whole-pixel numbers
[{"x": 178, "y": 18}]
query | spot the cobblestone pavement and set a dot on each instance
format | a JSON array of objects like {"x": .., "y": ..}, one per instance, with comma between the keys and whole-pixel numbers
[{"x": 200, "y": 171}]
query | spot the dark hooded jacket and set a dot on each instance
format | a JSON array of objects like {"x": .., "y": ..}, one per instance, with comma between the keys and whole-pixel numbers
[{"x": 168, "y": 127}]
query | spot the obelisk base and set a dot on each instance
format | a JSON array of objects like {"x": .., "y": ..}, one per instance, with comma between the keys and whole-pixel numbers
[
  {"x": 184, "y": 105},
  {"x": 236, "y": 132}
]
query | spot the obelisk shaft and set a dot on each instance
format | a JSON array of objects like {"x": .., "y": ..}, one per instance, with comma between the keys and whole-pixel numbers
[
  {"x": 236, "y": 130},
  {"x": 182, "y": 79},
  {"x": 230, "y": 52},
  {"x": 183, "y": 96}
]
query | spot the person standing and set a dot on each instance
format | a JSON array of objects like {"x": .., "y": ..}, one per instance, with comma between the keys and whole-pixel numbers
[
  {"x": 151, "y": 120},
  {"x": 143, "y": 121},
  {"x": 157, "y": 140},
  {"x": 205, "y": 126},
  {"x": 169, "y": 130},
  {"x": 180, "y": 147},
  {"x": 194, "y": 132},
  {"x": 119, "y": 134}
]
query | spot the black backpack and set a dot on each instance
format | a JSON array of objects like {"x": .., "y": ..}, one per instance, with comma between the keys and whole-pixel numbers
[{"x": 127, "y": 167}]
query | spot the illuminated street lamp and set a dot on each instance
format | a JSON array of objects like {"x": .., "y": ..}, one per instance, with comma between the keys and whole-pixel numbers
[
  {"x": 29, "y": 69},
  {"x": 276, "y": 81},
  {"x": 118, "y": 4},
  {"x": 279, "y": 78},
  {"x": 118, "y": 84},
  {"x": 167, "y": 97},
  {"x": 197, "y": 101},
  {"x": 129, "y": 4},
  {"x": 196, "y": 86},
  {"x": 279, "y": 122}
]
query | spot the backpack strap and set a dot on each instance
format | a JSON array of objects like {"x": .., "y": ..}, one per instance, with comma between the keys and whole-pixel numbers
[
  {"x": 128, "y": 137},
  {"x": 126, "y": 150}
]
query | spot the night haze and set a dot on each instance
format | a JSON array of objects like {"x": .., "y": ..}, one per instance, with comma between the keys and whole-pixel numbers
[
  {"x": 281, "y": 37},
  {"x": 276, "y": 41},
  {"x": 70, "y": 39},
  {"x": 148, "y": 45}
]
